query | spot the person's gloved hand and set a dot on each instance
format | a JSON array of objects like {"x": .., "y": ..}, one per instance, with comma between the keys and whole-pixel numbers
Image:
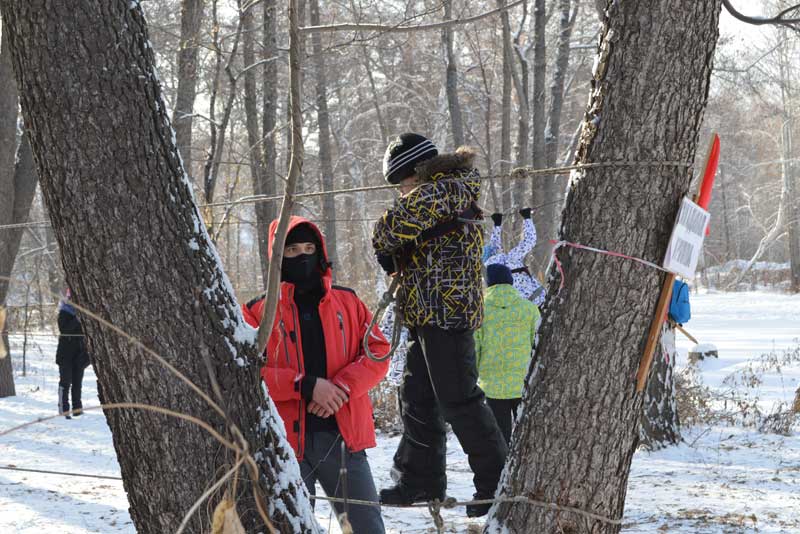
[
  {"x": 386, "y": 261},
  {"x": 497, "y": 218},
  {"x": 525, "y": 212}
]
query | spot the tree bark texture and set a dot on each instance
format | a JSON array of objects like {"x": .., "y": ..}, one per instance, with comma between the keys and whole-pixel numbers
[
  {"x": 451, "y": 78},
  {"x": 135, "y": 251},
  {"x": 580, "y": 428},
  {"x": 191, "y": 20},
  {"x": 660, "y": 422},
  {"x": 324, "y": 124},
  {"x": 17, "y": 188}
]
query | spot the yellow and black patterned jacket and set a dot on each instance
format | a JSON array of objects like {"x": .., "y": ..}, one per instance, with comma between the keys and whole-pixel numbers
[{"x": 441, "y": 278}]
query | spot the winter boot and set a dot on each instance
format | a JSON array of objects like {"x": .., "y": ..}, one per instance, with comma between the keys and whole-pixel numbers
[
  {"x": 63, "y": 402},
  {"x": 479, "y": 510}
]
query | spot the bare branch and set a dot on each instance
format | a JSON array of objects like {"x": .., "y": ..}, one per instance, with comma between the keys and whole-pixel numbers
[
  {"x": 387, "y": 28},
  {"x": 760, "y": 21}
]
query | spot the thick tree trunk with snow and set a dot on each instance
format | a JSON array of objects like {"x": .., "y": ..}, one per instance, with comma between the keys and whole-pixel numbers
[
  {"x": 660, "y": 423},
  {"x": 135, "y": 251},
  {"x": 17, "y": 188},
  {"x": 580, "y": 428}
]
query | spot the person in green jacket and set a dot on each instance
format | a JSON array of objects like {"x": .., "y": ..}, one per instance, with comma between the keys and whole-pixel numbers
[{"x": 503, "y": 345}]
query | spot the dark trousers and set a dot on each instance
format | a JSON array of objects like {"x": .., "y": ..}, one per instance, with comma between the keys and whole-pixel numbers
[
  {"x": 322, "y": 460},
  {"x": 505, "y": 412},
  {"x": 441, "y": 384},
  {"x": 70, "y": 376}
]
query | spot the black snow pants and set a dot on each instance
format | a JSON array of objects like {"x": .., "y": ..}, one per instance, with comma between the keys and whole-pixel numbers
[{"x": 441, "y": 384}]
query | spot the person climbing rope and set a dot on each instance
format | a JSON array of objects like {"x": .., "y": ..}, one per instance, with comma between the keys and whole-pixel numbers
[{"x": 524, "y": 282}]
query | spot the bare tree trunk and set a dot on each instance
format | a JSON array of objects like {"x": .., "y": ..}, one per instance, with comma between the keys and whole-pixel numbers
[
  {"x": 323, "y": 121},
  {"x": 553, "y": 186},
  {"x": 722, "y": 181},
  {"x": 522, "y": 85},
  {"x": 136, "y": 252},
  {"x": 451, "y": 79},
  {"x": 660, "y": 424},
  {"x": 257, "y": 143},
  {"x": 17, "y": 188},
  {"x": 255, "y": 153},
  {"x": 219, "y": 131},
  {"x": 579, "y": 430},
  {"x": 539, "y": 190},
  {"x": 505, "y": 107},
  {"x": 266, "y": 211},
  {"x": 191, "y": 20},
  {"x": 793, "y": 208},
  {"x": 375, "y": 100},
  {"x": 538, "y": 118}
]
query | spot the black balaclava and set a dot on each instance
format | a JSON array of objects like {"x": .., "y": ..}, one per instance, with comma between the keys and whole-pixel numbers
[{"x": 304, "y": 270}]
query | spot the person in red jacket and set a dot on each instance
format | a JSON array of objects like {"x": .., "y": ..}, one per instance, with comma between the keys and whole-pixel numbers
[{"x": 317, "y": 374}]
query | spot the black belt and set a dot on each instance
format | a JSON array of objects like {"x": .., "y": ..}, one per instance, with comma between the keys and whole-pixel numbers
[{"x": 521, "y": 270}]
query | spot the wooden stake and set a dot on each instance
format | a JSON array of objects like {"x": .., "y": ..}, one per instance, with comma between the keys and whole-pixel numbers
[
  {"x": 655, "y": 332},
  {"x": 687, "y": 334},
  {"x": 709, "y": 170}
]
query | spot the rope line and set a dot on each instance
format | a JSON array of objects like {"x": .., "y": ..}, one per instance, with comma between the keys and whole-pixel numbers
[
  {"x": 451, "y": 502},
  {"x": 62, "y": 473},
  {"x": 519, "y": 173},
  {"x": 558, "y": 244},
  {"x": 433, "y": 506}
]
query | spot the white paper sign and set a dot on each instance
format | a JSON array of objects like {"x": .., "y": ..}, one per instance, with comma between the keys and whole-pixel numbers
[{"x": 686, "y": 241}]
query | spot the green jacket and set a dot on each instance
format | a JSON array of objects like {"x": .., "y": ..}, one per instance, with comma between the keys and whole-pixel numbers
[{"x": 503, "y": 343}]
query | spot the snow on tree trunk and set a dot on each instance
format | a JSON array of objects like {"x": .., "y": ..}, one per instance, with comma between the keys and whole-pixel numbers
[
  {"x": 135, "y": 251},
  {"x": 580, "y": 424},
  {"x": 660, "y": 423}
]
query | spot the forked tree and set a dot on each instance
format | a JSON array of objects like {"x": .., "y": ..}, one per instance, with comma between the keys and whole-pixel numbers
[{"x": 135, "y": 251}]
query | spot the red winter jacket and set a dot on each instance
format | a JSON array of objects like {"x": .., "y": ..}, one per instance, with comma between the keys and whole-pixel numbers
[{"x": 345, "y": 319}]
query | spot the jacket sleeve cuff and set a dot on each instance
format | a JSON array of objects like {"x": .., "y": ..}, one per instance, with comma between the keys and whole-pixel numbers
[{"x": 307, "y": 384}]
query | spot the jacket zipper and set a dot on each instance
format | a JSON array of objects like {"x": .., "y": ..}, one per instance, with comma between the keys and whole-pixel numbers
[
  {"x": 344, "y": 335},
  {"x": 301, "y": 416},
  {"x": 285, "y": 346}
]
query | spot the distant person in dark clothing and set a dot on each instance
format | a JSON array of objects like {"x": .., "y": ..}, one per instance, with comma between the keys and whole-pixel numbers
[{"x": 72, "y": 358}]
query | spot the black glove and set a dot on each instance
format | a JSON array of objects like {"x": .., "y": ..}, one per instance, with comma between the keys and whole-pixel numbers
[
  {"x": 525, "y": 212},
  {"x": 386, "y": 261},
  {"x": 497, "y": 218}
]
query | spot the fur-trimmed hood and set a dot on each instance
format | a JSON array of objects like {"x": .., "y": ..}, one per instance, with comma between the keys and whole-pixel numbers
[{"x": 444, "y": 163}]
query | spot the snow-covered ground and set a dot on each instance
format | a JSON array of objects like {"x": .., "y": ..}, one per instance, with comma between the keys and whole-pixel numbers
[{"x": 723, "y": 479}]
